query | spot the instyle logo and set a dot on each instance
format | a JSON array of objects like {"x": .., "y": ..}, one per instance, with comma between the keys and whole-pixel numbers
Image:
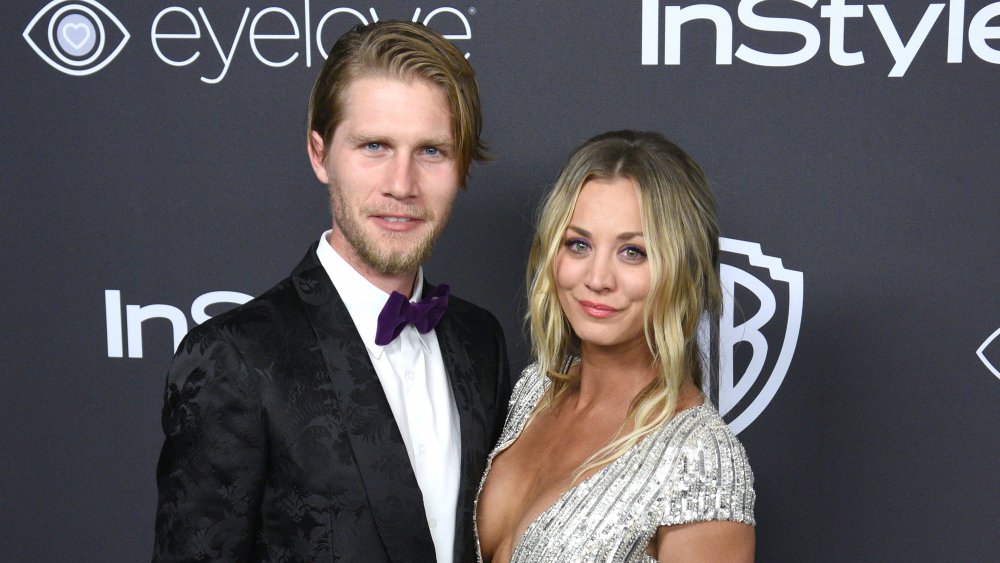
[
  {"x": 137, "y": 315},
  {"x": 77, "y": 37},
  {"x": 751, "y": 349},
  {"x": 981, "y": 352},
  {"x": 842, "y": 16},
  {"x": 209, "y": 41}
]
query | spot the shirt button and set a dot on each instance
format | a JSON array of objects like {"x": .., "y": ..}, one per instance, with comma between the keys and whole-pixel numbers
[
  {"x": 432, "y": 523},
  {"x": 409, "y": 375},
  {"x": 422, "y": 450}
]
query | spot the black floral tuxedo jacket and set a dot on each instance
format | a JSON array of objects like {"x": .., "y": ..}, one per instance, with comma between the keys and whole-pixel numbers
[{"x": 280, "y": 444}]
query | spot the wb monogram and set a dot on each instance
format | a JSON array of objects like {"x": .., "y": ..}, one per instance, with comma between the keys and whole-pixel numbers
[{"x": 751, "y": 349}]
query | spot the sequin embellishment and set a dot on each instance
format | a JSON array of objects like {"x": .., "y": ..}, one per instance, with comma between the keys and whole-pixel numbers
[{"x": 691, "y": 469}]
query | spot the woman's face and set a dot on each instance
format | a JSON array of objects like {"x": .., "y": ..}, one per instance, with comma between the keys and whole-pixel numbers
[{"x": 602, "y": 273}]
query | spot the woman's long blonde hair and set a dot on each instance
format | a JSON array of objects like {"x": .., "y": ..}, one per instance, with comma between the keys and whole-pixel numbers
[{"x": 682, "y": 244}]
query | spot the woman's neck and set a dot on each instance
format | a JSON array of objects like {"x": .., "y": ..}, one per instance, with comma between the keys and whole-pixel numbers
[{"x": 613, "y": 375}]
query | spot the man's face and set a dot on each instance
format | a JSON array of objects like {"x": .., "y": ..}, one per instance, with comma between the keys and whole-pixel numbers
[{"x": 391, "y": 173}]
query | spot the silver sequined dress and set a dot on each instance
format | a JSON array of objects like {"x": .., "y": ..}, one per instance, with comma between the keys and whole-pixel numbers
[{"x": 691, "y": 469}]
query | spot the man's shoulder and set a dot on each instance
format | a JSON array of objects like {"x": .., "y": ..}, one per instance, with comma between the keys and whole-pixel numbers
[
  {"x": 277, "y": 309},
  {"x": 469, "y": 310}
]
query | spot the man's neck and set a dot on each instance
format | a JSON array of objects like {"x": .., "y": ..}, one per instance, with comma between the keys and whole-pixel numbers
[{"x": 403, "y": 283}]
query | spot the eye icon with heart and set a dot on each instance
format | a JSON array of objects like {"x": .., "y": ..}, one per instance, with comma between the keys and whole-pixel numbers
[{"x": 76, "y": 37}]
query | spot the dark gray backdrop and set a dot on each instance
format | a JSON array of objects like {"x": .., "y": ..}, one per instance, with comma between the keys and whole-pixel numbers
[{"x": 881, "y": 442}]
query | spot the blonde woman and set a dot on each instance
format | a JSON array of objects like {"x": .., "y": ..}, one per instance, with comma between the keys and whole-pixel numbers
[{"x": 610, "y": 452}]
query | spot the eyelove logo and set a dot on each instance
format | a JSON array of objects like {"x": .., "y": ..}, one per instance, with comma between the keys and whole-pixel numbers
[
  {"x": 79, "y": 43},
  {"x": 751, "y": 348},
  {"x": 212, "y": 39}
]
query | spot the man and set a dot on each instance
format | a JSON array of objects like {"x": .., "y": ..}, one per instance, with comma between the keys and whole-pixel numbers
[{"x": 308, "y": 425}]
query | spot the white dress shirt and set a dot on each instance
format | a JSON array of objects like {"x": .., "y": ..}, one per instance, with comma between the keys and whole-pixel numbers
[{"x": 412, "y": 374}]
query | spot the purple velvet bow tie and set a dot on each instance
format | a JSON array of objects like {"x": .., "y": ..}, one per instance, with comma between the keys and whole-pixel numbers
[{"x": 399, "y": 312}]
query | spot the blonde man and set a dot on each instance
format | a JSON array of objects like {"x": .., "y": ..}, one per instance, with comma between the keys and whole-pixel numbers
[{"x": 334, "y": 417}]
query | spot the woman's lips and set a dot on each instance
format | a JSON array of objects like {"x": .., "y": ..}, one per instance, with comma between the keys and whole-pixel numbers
[{"x": 597, "y": 310}]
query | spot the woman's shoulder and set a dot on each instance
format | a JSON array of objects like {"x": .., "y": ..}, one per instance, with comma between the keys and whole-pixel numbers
[
  {"x": 530, "y": 386},
  {"x": 700, "y": 433},
  {"x": 709, "y": 475},
  {"x": 528, "y": 390},
  {"x": 702, "y": 427}
]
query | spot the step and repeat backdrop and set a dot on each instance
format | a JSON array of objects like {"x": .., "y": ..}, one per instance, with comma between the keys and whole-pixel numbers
[{"x": 154, "y": 174}]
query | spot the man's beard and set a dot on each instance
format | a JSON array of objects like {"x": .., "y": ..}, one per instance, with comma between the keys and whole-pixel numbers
[{"x": 382, "y": 259}]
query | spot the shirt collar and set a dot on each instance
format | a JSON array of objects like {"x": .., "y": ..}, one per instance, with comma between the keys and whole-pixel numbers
[{"x": 363, "y": 300}]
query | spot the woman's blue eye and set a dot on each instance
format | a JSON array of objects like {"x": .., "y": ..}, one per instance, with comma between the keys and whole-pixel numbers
[
  {"x": 576, "y": 245},
  {"x": 432, "y": 151},
  {"x": 633, "y": 253}
]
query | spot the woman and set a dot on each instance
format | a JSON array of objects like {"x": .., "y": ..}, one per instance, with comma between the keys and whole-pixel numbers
[{"x": 610, "y": 452}]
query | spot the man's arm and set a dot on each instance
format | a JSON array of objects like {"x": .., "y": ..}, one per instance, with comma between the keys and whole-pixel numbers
[{"x": 212, "y": 464}]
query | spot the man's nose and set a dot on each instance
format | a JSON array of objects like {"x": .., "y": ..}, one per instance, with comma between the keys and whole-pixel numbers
[{"x": 401, "y": 182}]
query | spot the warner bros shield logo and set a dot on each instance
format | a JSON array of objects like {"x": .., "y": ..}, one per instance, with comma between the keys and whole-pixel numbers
[{"x": 750, "y": 350}]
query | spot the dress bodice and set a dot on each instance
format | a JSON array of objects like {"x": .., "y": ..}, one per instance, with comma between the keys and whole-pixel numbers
[{"x": 690, "y": 469}]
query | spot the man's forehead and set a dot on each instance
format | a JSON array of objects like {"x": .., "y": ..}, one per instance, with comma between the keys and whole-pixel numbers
[
  {"x": 375, "y": 83},
  {"x": 377, "y": 106}
]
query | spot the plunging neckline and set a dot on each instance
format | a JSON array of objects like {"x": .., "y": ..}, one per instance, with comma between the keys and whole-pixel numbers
[{"x": 565, "y": 494}]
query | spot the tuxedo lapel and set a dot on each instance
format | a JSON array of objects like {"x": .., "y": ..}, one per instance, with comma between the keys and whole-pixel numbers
[
  {"x": 464, "y": 387},
  {"x": 379, "y": 452}
]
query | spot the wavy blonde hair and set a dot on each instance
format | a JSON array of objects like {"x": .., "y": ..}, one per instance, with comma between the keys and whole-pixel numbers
[{"x": 682, "y": 243}]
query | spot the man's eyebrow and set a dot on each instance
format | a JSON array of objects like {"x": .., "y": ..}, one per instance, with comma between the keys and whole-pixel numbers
[
  {"x": 445, "y": 142},
  {"x": 362, "y": 138}
]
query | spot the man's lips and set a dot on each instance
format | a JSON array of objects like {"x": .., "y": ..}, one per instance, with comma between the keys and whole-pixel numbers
[
  {"x": 396, "y": 222},
  {"x": 597, "y": 310}
]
